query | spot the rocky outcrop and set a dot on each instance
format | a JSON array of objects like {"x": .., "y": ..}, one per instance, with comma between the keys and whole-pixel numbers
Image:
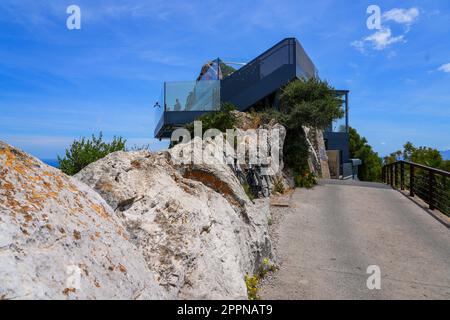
[
  {"x": 135, "y": 225},
  {"x": 318, "y": 160},
  {"x": 59, "y": 239},
  {"x": 193, "y": 222}
]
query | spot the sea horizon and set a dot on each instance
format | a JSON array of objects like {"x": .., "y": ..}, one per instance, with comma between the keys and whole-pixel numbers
[{"x": 51, "y": 162}]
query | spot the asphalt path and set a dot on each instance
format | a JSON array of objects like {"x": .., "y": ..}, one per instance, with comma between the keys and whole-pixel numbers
[{"x": 335, "y": 231}]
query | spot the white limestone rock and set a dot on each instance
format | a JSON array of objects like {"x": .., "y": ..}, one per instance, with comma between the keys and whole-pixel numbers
[
  {"x": 194, "y": 224},
  {"x": 60, "y": 240}
]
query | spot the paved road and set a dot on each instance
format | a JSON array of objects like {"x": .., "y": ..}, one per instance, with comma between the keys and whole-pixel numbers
[{"x": 336, "y": 230}]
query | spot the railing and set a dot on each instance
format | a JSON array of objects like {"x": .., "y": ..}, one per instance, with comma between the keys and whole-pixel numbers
[{"x": 430, "y": 184}]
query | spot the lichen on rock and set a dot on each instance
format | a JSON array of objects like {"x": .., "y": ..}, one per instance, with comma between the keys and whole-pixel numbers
[
  {"x": 194, "y": 224},
  {"x": 59, "y": 239}
]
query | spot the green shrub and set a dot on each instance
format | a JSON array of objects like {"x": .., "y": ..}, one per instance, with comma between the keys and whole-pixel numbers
[
  {"x": 278, "y": 185},
  {"x": 252, "y": 282},
  {"x": 220, "y": 120},
  {"x": 370, "y": 170},
  {"x": 252, "y": 287},
  {"x": 248, "y": 191},
  {"x": 312, "y": 103},
  {"x": 305, "y": 180},
  {"x": 83, "y": 152}
]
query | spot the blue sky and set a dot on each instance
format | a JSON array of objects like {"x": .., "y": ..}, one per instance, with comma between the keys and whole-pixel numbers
[{"x": 57, "y": 85}]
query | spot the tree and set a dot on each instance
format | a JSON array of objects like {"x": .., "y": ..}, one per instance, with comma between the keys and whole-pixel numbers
[
  {"x": 311, "y": 103},
  {"x": 422, "y": 155},
  {"x": 83, "y": 152},
  {"x": 306, "y": 102},
  {"x": 370, "y": 170}
]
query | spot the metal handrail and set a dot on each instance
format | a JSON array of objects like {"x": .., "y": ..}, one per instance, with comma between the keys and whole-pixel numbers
[
  {"x": 434, "y": 191},
  {"x": 421, "y": 166}
]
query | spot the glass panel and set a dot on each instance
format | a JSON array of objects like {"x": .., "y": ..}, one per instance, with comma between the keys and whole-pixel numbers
[
  {"x": 193, "y": 96},
  {"x": 305, "y": 63},
  {"x": 339, "y": 125},
  {"x": 210, "y": 71},
  {"x": 274, "y": 60}
]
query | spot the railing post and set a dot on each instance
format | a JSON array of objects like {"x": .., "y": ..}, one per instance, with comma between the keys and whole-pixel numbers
[
  {"x": 431, "y": 189},
  {"x": 402, "y": 175},
  {"x": 396, "y": 175},
  {"x": 411, "y": 180},
  {"x": 386, "y": 173},
  {"x": 392, "y": 175}
]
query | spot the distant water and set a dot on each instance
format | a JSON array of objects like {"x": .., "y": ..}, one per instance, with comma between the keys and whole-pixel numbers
[
  {"x": 51, "y": 162},
  {"x": 446, "y": 154}
]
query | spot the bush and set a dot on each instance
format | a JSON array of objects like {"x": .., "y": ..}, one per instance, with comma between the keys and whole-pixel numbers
[
  {"x": 278, "y": 186},
  {"x": 311, "y": 103},
  {"x": 305, "y": 180},
  {"x": 83, "y": 152},
  {"x": 248, "y": 191},
  {"x": 252, "y": 287},
  {"x": 221, "y": 120},
  {"x": 370, "y": 170},
  {"x": 307, "y": 102}
]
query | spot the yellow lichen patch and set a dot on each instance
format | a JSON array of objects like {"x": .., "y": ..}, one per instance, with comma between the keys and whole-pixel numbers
[
  {"x": 3, "y": 174},
  {"x": 73, "y": 188},
  {"x": 8, "y": 186},
  {"x": 136, "y": 164},
  {"x": 100, "y": 210},
  {"x": 9, "y": 156},
  {"x": 122, "y": 268},
  {"x": 47, "y": 174},
  {"x": 104, "y": 186},
  {"x": 52, "y": 194},
  {"x": 37, "y": 196},
  {"x": 35, "y": 179},
  {"x": 28, "y": 217},
  {"x": 76, "y": 235},
  {"x": 67, "y": 291},
  {"x": 121, "y": 233},
  {"x": 59, "y": 183},
  {"x": 12, "y": 203},
  {"x": 25, "y": 209},
  {"x": 84, "y": 224},
  {"x": 19, "y": 168},
  {"x": 73, "y": 211},
  {"x": 47, "y": 185}
]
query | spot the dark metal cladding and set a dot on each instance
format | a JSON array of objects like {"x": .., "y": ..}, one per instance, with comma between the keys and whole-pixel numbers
[{"x": 258, "y": 79}]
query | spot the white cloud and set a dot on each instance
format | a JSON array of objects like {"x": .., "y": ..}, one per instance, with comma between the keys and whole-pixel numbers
[
  {"x": 402, "y": 16},
  {"x": 379, "y": 40},
  {"x": 445, "y": 68},
  {"x": 383, "y": 38}
]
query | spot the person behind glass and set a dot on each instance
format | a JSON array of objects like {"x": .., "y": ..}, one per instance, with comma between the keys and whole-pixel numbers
[{"x": 177, "y": 106}]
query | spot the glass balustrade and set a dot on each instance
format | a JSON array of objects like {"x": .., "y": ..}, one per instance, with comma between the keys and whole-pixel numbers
[{"x": 201, "y": 95}]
